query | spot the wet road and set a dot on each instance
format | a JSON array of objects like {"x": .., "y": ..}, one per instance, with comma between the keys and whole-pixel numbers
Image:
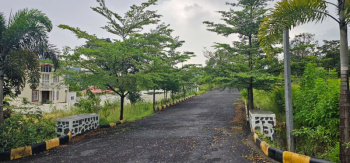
[{"x": 202, "y": 129}]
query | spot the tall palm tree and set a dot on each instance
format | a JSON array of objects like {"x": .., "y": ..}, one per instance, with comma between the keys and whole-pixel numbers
[
  {"x": 291, "y": 13},
  {"x": 23, "y": 39}
]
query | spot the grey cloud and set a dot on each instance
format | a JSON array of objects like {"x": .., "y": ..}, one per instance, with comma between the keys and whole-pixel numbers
[{"x": 193, "y": 7}]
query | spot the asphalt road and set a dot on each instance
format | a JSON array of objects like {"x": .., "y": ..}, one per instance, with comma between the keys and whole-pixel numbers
[{"x": 202, "y": 129}]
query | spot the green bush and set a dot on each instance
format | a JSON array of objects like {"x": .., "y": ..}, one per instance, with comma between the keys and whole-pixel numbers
[
  {"x": 316, "y": 111},
  {"x": 89, "y": 105},
  {"x": 278, "y": 99},
  {"x": 332, "y": 154},
  {"x": 25, "y": 101},
  {"x": 316, "y": 102},
  {"x": 311, "y": 141},
  {"x": 244, "y": 94},
  {"x": 79, "y": 94},
  {"x": 23, "y": 130},
  {"x": 134, "y": 97}
]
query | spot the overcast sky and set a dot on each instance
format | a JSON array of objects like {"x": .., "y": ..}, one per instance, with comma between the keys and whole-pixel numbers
[{"x": 184, "y": 16}]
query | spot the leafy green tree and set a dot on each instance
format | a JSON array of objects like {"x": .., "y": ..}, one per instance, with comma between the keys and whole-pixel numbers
[
  {"x": 244, "y": 22},
  {"x": 303, "y": 45},
  {"x": 157, "y": 42},
  {"x": 303, "y": 50},
  {"x": 133, "y": 20},
  {"x": 189, "y": 77},
  {"x": 107, "y": 65},
  {"x": 116, "y": 62},
  {"x": 291, "y": 13},
  {"x": 23, "y": 39},
  {"x": 330, "y": 55}
]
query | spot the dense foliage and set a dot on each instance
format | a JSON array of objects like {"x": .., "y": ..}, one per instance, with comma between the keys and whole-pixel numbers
[
  {"x": 22, "y": 130},
  {"x": 240, "y": 65},
  {"x": 316, "y": 114},
  {"x": 23, "y": 39}
]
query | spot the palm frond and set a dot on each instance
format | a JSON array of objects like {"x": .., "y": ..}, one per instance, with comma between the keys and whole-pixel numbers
[
  {"x": 289, "y": 14},
  {"x": 347, "y": 10},
  {"x": 26, "y": 29}
]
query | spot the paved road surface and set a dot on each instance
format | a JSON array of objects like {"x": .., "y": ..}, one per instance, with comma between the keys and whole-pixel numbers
[{"x": 201, "y": 129}]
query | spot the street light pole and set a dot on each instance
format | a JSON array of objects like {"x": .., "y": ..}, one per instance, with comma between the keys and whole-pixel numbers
[{"x": 288, "y": 91}]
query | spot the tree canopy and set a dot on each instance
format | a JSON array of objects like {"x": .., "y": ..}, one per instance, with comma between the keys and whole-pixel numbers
[{"x": 23, "y": 39}]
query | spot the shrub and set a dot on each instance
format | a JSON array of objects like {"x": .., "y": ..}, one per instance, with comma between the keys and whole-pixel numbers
[
  {"x": 23, "y": 130},
  {"x": 244, "y": 94},
  {"x": 316, "y": 109},
  {"x": 79, "y": 94},
  {"x": 89, "y": 105},
  {"x": 316, "y": 102},
  {"x": 134, "y": 97},
  {"x": 25, "y": 101}
]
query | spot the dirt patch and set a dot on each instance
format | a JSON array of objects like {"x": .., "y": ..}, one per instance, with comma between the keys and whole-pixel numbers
[
  {"x": 239, "y": 118},
  {"x": 90, "y": 133}
]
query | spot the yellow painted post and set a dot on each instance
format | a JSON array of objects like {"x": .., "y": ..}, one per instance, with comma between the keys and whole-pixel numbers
[
  {"x": 21, "y": 152},
  {"x": 52, "y": 143},
  {"x": 290, "y": 157}
]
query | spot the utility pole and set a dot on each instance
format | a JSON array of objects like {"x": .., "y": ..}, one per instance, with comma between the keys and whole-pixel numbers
[{"x": 288, "y": 92}]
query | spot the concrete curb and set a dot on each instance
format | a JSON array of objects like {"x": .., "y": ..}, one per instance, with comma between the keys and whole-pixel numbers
[
  {"x": 160, "y": 108},
  {"x": 43, "y": 146},
  {"x": 34, "y": 149},
  {"x": 284, "y": 156}
]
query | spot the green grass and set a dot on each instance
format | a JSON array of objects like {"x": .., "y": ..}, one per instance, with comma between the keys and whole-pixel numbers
[
  {"x": 265, "y": 101},
  {"x": 267, "y": 140},
  {"x": 131, "y": 112},
  {"x": 110, "y": 112}
]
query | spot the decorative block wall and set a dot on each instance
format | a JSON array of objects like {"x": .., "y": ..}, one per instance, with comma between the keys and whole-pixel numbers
[
  {"x": 77, "y": 124},
  {"x": 263, "y": 120}
]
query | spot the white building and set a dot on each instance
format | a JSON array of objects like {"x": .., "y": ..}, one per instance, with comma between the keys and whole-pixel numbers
[{"x": 51, "y": 89}]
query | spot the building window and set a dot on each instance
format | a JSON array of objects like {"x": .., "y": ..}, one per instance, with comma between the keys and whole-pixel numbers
[
  {"x": 46, "y": 78},
  {"x": 56, "y": 79},
  {"x": 55, "y": 95},
  {"x": 46, "y": 68},
  {"x": 35, "y": 95},
  {"x": 72, "y": 98}
]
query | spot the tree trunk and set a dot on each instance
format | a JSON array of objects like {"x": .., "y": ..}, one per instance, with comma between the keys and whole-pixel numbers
[
  {"x": 183, "y": 89},
  {"x": 154, "y": 99},
  {"x": 122, "y": 106},
  {"x": 250, "y": 88},
  {"x": 2, "y": 96},
  {"x": 164, "y": 98},
  {"x": 248, "y": 103},
  {"x": 344, "y": 104},
  {"x": 172, "y": 96}
]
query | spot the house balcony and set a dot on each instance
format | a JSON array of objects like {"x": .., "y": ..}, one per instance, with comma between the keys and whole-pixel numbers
[{"x": 51, "y": 86}]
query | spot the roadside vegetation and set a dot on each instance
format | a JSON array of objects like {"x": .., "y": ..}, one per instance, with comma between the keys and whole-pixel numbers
[
  {"x": 23, "y": 129},
  {"x": 255, "y": 67}
]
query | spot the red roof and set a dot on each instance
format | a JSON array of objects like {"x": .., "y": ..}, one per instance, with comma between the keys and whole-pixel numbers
[{"x": 94, "y": 90}]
